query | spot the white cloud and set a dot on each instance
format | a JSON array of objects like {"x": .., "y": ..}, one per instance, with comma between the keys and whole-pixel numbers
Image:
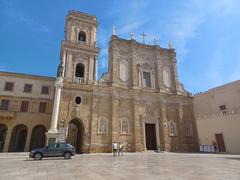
[
  {"x": 181, "y": 29},
  {"x": 10, "y": 10},
  {"x": 131, "y": 26}
]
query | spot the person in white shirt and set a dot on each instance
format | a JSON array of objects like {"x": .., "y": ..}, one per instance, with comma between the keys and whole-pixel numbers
[{"x": 115, "y": 148}]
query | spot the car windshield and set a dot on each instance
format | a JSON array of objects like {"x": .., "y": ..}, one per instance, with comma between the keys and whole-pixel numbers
[{"x": 68, "y": 145}]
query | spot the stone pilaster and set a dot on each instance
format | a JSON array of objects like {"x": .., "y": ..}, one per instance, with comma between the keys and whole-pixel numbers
[
  {"x": 91, "y": 70},
  {"x": 137, "y": 127},
  {"x": 7, "y": 139},
  {"x": 181, "y": 124},
  {"x": 115, "y": 121},
  {"x": 165, "y": 126},
  {"x": 96, "y": 69},
  {"x": 28, "y": 140}
]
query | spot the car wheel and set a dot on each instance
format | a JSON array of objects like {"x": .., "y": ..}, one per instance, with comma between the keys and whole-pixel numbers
[
  {"x": 67, "y": 155},
  {"x": 38, "y": 156}
]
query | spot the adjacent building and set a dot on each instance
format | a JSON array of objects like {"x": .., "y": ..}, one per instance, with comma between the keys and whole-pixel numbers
[
  {"x": 217, "y": 114},
  {"x": 25, "y": 110},
  {"x": 139, "y": 101}
]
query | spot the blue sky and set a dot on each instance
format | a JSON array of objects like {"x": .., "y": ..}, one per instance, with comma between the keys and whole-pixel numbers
[{"x": 205, "y": 33}]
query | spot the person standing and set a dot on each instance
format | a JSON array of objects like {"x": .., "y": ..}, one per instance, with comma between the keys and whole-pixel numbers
[
  {"x": 120, "y": 149},
  {"x": 115, "y": 148}
]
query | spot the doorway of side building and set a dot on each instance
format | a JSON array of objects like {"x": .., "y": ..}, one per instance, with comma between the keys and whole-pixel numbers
[
  {"x": 220, "y": 142},
  {"x": 38, "y": 137},
  {"x": 75, "y": 134},
  {"x": 18, "y": 139},
  {"x": 150, "y": 133},
  {"x": 3, "y": 133}
]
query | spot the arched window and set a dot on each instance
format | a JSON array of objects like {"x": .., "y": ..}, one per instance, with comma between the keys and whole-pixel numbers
[
  {"x": 80, "y": 70},
  {"x": 78, "y": 100},
  {"x": 82, "y": 36}
]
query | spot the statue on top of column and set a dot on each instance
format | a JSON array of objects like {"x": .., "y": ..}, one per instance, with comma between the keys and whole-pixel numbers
[{"x": 60, "y": 70}]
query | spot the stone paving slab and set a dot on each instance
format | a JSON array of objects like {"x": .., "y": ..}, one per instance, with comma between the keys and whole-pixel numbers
[{"x": 142, "y": 166}]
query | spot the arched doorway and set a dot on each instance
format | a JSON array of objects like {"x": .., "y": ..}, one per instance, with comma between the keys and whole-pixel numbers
[
  {"x": 3, "y": 133},
  {"x": 38, "y": 137},
  {"x": 18, "y": 139},
  {"x": 75, "y": 134}
]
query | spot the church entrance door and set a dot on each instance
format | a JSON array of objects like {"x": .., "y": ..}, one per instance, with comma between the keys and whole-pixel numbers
[
  {"x": 75, "y": 134},
  {"x": 220, "y": 142},
  {"x": 150, "y": 131}
]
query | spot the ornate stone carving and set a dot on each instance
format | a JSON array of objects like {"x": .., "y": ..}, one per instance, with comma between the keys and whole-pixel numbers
[
  {"x": 125, "y": 129},
  {"x": 102, "y": 125},
  {"x": 172, "y": 128}
]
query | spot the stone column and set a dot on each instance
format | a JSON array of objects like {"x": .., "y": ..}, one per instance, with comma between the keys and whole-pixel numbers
[{"x": 52, "y": 133}]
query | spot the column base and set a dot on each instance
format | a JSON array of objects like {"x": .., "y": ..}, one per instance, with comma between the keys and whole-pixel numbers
[
  {"x": 52, "y": 131},
  {"x": 52, "y": 137}
]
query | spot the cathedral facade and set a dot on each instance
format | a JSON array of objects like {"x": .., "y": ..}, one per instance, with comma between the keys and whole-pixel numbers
[{"x": 139, "y": 101}]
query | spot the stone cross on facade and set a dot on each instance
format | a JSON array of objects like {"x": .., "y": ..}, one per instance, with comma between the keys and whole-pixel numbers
[
  {"x": 156, "y": 40},
  {"x": 132, "y": 35},
  {"x": 143, "y": 35},
  {"x": 170, "y": 45},
  {"x": 113, "y": 30}
]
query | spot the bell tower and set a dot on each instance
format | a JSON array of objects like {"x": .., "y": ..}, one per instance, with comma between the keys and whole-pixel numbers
[{"x": 79, "y": 52}]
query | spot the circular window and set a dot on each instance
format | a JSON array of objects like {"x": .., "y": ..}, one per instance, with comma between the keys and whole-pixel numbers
[{"x": 78, "y": 100}]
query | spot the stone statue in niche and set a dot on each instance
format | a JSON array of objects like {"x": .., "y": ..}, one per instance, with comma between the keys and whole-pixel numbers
[
  {"x": 125, "y": 128},
  {"x": 103, "y": 126},
  {"x": 167, "y": 77},
  {"x": 189, "y": 130},
  {"x": 172, "y": 129},
  {"x": 123, "y": 73}
]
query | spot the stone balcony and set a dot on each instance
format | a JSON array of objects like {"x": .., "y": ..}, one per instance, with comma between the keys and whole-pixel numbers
[
  {"x": 79, "y": 80},
  {"x": 6, "y": 115}
]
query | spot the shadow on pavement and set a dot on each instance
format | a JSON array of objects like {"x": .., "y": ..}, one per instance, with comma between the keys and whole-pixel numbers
[
  {"x": 49, "y": 159},
  {"x": 233, "y": 158}
]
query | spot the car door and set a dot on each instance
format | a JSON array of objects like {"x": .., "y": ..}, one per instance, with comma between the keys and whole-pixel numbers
[
  {"x": 59, "y": 149},
  {"x": 50, "y": 150}
]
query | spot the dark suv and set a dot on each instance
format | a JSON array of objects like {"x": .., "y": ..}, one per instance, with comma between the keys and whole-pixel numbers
[{"x": 53, "y": 150}]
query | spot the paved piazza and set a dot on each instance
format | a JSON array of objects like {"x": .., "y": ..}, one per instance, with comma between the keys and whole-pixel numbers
[{"x": 17, "y": 166}]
